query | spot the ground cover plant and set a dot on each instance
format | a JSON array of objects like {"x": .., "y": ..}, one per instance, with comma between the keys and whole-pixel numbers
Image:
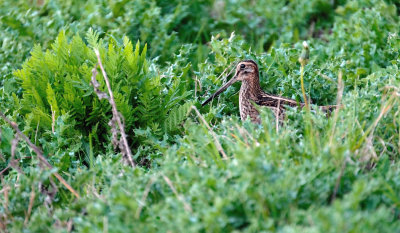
[{"x": 198, "y": 169}]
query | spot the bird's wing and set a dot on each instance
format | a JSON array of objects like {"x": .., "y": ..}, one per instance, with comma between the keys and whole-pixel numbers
[
  {"x": 265, "y": 99},
  {"x": 274, "y": 101}
]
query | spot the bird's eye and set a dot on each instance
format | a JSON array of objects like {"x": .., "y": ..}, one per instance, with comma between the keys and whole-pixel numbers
[{"x": 242, "y": 66}]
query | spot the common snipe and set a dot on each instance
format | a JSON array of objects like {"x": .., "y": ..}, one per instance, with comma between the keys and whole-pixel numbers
[{"x": 251, "y": 92}]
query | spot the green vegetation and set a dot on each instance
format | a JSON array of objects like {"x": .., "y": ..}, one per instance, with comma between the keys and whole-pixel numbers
[{"x": 310, "y": 174}]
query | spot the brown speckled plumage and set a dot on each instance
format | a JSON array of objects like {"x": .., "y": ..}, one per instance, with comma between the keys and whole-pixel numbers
[{"x": 251, "y": 92}]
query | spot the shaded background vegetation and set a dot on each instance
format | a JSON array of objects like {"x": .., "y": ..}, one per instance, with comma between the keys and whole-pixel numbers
[{"x": 162, "y": 57}]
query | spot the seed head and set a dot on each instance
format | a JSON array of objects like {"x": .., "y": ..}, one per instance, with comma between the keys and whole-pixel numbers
[{"x": 305, "y": 54}]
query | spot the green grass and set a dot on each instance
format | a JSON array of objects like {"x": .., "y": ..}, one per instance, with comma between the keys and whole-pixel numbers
[{"x": 312, "y": 174}]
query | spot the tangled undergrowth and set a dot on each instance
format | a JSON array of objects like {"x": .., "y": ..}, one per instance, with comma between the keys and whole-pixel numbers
[{"x": 198, "y": 169}]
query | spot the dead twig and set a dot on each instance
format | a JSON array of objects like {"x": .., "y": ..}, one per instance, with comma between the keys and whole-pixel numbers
[
  {"x": 368, "y": 151},
  {"x": 186, "y": 206},
  {"x": 124, "y": 146},
  {"x": 383, "y": 145},
  {"x": 5, "y": 189},
  {"x": 14, "y": 162},
  {"x": 230, "y": 72},
  {"x": 144, "y": 197},
  {"x": 217, "y": 144},
  {"x": 31, "y": 199},
  {"x": 385, "y": 108},
  {"x": 339, "y": 101},
  {"x": 39, "y": 154},
  {"x": 4, "y": 170}
]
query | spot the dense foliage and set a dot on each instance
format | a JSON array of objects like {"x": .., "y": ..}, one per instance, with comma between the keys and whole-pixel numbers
[{"x": 309, "y": 174}]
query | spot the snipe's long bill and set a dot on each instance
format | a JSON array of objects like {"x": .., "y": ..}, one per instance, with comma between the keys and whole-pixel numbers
[{"x": 250, "y": 92}]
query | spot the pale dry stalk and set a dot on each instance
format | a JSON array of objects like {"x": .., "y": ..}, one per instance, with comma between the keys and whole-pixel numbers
[
  {"x": 186, "y": 206},
  {"x": 39, "y": 154},
  {"x": 217, "y": 144},
  {"x": 370, "y": 131},
  {"x": 115, "y": 112},
  {"x": 338, "y": 103},
  {"x": 31, "y": 200},
  {"x": 144, "y": 197}
]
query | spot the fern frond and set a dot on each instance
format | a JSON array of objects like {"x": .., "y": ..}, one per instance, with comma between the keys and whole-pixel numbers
[
  {"x": 176, "y": 116},
  {"x": 92, "y": 38}
]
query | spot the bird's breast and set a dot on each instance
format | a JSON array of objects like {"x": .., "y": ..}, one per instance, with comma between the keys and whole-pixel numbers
[{"x": 247, "y": 108}]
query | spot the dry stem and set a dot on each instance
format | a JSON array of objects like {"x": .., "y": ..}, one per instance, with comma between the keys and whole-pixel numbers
[
  {"x": 115, "y": 112},
  {"x": 144, "y": 197},
  {"x": 39, "y": 154},
  {"x": 186, "y": 206},
  {"x": 217, "y": 144},
  {"x": 31, "y": 199},
  {"x": 385, "y": 108},
  {"x": 339, "y": 100}
]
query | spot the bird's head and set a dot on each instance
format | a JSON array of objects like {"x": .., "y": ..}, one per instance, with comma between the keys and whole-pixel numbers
[{"x": 246, "y": 70}]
